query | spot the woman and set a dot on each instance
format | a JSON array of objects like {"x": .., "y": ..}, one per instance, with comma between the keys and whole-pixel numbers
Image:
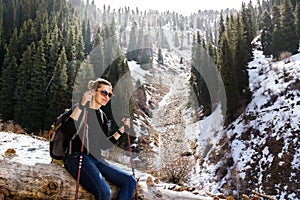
[{"x": 94, "y": 167}]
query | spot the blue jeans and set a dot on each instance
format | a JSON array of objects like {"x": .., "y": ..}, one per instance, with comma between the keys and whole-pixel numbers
[{"x": 93, "y": 172}]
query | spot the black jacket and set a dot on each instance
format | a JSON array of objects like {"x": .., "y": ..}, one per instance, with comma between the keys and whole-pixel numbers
[{"x": 96, "y": 132}]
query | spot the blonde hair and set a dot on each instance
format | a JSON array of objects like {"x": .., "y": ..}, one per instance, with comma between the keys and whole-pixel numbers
[{"x": 94, "y": 84}]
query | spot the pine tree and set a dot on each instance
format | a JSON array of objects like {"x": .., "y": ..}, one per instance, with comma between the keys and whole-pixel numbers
[
  {"x": 198, "y": 70},
  {"x": 7, "y": 97},
  {"x": 84, "y": 75},
  {"x": 241, "y": 58},
  {"x": 70, "y": 43},
  {"x": 297, "y": 15},
  {"x": 146, "y": 53},
  {"x": 259, "y": 14},
  {"x": 123, "y": 37},
  {"x": 109, "y": 42},
  {"x": 27, "y": 10},
  {"x": 132, "y": 45},
  {"x": 79, "y": 52},
  {"x": 289, "y": 37},
  {"x": 27, "y": 36},
  {"x": 247, "y": 21},
  {"x": 276, "y": 16},
  {"x": 8, "y": 79},
  {"x": 59, "y": 98},
  {"x": 104, "y": 18},
  {"x": 42, "y": 25},
  {"x": 52, "y": 49},
  {"x": 9, "y": 19},
  {"x": 37, "y": 90},
  {"x": 276, "y": 42},
  {"x": 234, "y": 53},
  {"x": 225, "y": 61},
  {"x": 140, "y": 46},
  {"x": 266, "y": 35},
  {"x": 71, "y": 56},
  {"x": 83, "y": 31},
  {"x": 221, "y": 28},
  {"x": 160, "y": 57},
  {"x": 276, "y": 35},
  {"x": 87, "y": 38},
  {"x": 23, "y": 97},
  {"x": 97, "y": 54}
]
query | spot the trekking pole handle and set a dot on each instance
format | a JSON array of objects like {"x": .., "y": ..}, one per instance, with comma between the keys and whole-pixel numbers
[
  {"x": 86, "y": 98},
  {"x": 125, "y": 122}
]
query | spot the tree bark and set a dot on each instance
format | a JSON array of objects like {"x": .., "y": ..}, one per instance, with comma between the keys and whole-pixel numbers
[{"x": 41, "y": 181}]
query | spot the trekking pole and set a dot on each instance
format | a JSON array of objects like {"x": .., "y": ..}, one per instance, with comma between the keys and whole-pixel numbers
[
  {"x": 81, "y": 153},
  {"x": 130, "y": 151},
  {"x": 132, "y": 166}
]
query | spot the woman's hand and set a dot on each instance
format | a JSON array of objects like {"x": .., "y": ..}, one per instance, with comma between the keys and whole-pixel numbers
[
  {"x": 126, "y": 122},
  {"x": 86, "y": 97},
  {"x": 121, "y": 130}
]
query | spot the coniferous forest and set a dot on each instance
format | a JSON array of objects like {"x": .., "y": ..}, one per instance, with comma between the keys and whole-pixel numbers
[{"x": 45, "y": 43}]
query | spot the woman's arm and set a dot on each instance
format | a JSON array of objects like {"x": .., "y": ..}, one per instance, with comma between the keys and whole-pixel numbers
[
  {"x": 119, "y": 133},
  {"x": 121, "y": 130},
  {"x": 76, "y": 113}
]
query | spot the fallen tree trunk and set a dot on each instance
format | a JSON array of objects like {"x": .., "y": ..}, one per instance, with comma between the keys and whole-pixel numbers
[{"x": 41, "y": 181}]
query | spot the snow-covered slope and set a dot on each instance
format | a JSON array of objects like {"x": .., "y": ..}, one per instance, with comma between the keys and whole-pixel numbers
[
  {"x": 260, "y": 149},
  {"x": 24, "y": 148}
]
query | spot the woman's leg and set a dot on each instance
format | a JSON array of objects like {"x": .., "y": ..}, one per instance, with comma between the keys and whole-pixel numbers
[
  {"x": 126, "y": 182},
  {"x": 90, "y": 177}
]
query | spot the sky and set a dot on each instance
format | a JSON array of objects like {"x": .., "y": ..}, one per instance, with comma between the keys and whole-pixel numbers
[{"x": 185, "y": 7}]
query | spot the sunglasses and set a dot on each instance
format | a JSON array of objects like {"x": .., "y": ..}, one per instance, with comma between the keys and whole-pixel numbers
[{"x": 105, "y": 93}]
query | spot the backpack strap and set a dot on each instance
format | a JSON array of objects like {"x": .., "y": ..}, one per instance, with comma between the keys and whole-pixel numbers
[{"x": 69, "y": 149}]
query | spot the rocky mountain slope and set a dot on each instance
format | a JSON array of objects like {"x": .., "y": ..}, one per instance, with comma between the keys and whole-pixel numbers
[{"x": 260, "y": 150}]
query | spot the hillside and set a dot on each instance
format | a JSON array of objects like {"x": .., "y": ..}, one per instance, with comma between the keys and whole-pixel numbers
[{"x": 260, "y": 150}]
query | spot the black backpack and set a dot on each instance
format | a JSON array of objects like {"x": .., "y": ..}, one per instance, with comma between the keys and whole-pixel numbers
[{"x": 57, "y": 137}]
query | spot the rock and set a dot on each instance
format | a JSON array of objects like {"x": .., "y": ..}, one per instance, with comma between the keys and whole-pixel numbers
[
  {"x": 10, "y": 151},
  {"x": 40, "y": 181},
  {"x": 149, "y": 181},
  {"x": 245, "y": 197}
]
